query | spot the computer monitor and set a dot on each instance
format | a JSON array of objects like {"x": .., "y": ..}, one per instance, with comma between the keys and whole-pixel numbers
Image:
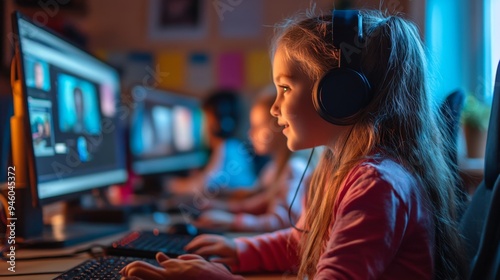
[
  {"x": 72, "y": 131},
  {"x": 166, "y": 132},
  {"x": 72, "y": 100}
]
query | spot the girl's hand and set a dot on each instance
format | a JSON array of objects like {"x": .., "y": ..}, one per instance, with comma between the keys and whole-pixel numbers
[
  {"x": 218, "y": 248},
  {"x": 185, "y": 267},
  {"x": 215, "y": 219},
  {"x": 141, "y": 270}
]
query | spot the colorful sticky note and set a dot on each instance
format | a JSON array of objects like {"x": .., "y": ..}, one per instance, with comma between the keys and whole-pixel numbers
[
  {"x": 169, "y": 71},
  {"x": 257, "y": 69},
  {"x": 200, "y": 72},
  {"x": 230, "y": 70}
]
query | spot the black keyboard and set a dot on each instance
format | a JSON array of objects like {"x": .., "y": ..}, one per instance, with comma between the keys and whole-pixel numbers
[
  {"x": 107, "y": 267},
  {"x": 145, "y": 244}
]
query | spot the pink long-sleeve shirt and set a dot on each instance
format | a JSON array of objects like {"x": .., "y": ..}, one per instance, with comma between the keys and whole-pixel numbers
[{"x": 383, "y": 229}]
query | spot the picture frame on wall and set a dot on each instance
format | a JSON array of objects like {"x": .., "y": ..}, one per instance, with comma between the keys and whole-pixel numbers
[{"x": 177, "y": 19}]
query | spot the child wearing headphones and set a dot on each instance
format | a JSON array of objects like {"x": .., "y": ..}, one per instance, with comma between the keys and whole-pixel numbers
[
  {"x": 266, "y": 210},
  {"x": 381, "y": 203},
  {"x": 230, "y": 165}
]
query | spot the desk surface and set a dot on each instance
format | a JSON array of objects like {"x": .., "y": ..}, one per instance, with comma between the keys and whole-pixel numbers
[{"x": 59, "y": 265}]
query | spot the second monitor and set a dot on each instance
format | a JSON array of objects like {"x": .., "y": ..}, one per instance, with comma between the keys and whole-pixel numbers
[{"x": 166, "y": 132}]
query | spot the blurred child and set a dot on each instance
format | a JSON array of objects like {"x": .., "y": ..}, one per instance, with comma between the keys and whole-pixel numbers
[
  {"x": 230, "y": 165},
  {"x": 266, "y": 210}
]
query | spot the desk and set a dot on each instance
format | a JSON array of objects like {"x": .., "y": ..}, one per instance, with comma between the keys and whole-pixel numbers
[{"x": 61, "y": 264}]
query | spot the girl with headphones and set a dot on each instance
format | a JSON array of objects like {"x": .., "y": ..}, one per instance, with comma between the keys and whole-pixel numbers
[{"x": 381, "y": 203}]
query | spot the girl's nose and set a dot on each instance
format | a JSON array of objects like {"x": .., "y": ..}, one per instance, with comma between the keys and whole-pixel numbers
[{"x": 275, "y": 110}]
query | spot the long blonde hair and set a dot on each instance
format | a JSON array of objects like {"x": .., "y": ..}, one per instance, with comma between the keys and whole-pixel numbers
[{"x": 399, "y": 121}]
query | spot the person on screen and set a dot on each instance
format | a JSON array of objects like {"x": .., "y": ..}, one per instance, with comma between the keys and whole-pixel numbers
[
  {"x": 46, "y": 126},
  {"x": 381, "y": 203},
  {"x": 79, "y": 125},
  {"x": 266, "y": 210},
  {"x": 39, "y": 75},
  {"x": 40, "y": 133},
  {"x": 230, "y": 165}
]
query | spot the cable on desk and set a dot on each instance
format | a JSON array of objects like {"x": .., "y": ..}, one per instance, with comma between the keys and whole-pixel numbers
[
  {"x": 31, "y": 273},
  {"x": 94, "y": 250}
]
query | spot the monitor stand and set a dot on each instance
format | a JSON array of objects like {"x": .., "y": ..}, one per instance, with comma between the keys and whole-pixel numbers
[
  {"x": 71, "y": 224},
  {"x": 65, "y": 235},
  {"x": 88, "y": 218}
]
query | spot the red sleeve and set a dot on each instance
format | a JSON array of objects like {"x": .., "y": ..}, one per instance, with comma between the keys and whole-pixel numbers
[{"x": 274, "y": 252}]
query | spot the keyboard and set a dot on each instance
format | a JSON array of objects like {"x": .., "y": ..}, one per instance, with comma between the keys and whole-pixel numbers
[
  {"x": 107, "y": 267},
  {"x": 145, "y": 244}
]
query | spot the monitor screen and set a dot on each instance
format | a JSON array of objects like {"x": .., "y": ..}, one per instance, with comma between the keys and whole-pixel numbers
[
  {"x": 166, "y": 132},
  {"x": 72, "y": 102}
]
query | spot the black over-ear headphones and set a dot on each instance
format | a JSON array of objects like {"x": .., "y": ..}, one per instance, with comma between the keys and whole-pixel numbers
[{"x": 343, "y": 91}]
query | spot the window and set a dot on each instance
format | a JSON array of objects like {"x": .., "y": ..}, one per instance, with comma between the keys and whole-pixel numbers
[{"x": 492, "y": 21}]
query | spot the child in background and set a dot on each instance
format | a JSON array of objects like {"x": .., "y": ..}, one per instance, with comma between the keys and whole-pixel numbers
[
  {"x": 266, "y": 210},
  {"x": 230, "y": 165},
  {"x": 381, "y": 202}
]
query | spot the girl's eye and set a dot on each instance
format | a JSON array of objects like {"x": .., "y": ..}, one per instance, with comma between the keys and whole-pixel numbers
[{"x": 285, "y": 88}]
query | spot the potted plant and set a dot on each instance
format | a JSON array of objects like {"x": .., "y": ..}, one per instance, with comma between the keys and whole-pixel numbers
[{"x": 475, "y": 118}]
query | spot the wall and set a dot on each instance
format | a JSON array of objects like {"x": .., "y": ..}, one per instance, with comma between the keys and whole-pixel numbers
[{"x": 118, "y": 31}]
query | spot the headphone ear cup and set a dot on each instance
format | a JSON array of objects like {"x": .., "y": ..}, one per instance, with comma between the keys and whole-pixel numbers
[{"x": 340, "y": 94}]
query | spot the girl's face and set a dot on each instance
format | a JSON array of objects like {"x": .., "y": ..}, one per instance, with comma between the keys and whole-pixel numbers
[
  {"x": 302, "y": 125},
  {"x": 264, "y": 131}
]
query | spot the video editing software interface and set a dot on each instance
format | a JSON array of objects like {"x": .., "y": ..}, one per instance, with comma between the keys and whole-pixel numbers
[
  {"x": 72, "y": 102},
  {"x": 166, "y": 132}
]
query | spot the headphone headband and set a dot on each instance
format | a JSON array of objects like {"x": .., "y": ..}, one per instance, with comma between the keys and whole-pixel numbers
[{"x": 347, "y": 32}]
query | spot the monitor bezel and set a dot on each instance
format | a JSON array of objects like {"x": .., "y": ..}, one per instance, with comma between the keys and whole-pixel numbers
[{"x": 122, "y": 166}]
